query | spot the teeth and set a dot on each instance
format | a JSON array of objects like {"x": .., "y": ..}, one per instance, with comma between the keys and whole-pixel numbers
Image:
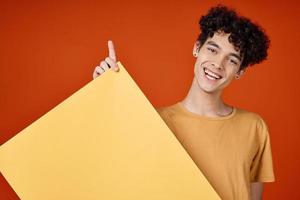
[
  {"x": 209, "y": 77},
  {"x": 212, "y": 74}
]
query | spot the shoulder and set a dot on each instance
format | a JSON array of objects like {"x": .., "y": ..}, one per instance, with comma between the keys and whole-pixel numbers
[
  {"x": 250, "y": 116},
  {"x": 168, "y": 112},
  {"x": 253, "y": 119}
]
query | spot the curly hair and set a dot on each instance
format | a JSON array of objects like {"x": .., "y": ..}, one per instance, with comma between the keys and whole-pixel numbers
[{"x": 245, "y": 35}]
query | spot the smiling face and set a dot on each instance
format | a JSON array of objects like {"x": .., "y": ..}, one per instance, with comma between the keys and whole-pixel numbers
[{"x": 217, "y": 63}]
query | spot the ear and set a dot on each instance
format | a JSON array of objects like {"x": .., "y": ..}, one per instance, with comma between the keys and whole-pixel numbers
[
  {"x": 196, "y": 48},
  {"x": 239, "y": 74}
]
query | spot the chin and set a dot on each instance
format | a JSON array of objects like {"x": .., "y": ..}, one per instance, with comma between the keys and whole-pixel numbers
[
  {"x": 206, "y": 88},
  {"x": 209, "y": 91}
]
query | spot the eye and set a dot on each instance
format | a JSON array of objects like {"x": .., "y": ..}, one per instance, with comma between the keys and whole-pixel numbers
[
  {"x": 233, "y": 62},
  {"x": 211, "y": 50}
]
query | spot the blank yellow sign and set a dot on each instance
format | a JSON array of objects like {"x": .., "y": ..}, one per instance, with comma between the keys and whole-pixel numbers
[{"x": 106, "y": 141}]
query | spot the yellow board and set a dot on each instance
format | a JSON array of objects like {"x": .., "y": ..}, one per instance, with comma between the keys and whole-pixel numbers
[{"x": 106, "y": 142}]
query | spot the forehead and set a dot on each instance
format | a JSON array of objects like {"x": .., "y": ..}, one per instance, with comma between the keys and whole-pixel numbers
[{"x": 222, "y": 40}]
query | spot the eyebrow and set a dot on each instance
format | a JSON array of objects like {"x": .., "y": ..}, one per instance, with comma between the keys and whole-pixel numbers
[{"x": 231, "y": 54}]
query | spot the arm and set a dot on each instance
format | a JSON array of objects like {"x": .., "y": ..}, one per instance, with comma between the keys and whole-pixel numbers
[{"x": 256, "y": 190}]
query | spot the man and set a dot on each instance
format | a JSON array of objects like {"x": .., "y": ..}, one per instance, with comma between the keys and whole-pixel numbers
[{"x": 230, "y": 146}]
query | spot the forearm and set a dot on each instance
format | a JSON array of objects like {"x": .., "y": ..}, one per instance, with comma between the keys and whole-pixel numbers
[{"x": 256, "y": 190}]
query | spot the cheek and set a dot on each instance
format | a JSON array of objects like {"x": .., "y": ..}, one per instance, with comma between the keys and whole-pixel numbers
[
  {"x": 197, "y": 67},
  {"x": 202, "y": 58},
  {"x": 231, "y": 71}
]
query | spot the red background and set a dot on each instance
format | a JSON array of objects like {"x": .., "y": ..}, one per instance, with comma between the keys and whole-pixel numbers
[{"x": 48, "y": 50}]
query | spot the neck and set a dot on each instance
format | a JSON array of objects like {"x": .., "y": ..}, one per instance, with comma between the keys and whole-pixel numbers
[{"x": 204, "y": 103}]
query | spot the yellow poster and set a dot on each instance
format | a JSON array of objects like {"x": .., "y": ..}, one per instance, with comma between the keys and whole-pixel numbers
[{"x": 106, "y": 141}]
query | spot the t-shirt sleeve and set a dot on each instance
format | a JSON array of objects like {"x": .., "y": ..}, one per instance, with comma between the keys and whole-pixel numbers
[{"x": 262, "y": 165}]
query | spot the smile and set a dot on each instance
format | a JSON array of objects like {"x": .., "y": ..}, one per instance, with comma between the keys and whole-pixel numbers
[{"x": 211, "y": 75}]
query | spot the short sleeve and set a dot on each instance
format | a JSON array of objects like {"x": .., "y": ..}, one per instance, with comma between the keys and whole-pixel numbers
[{"x": 262, "y": 164}]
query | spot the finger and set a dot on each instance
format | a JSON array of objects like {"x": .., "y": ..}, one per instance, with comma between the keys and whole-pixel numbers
[
  {"x": 104, "y": 66},
  {"x": 111, "y": 63},
  {"x": 111, "y": 51},
  {"x": 97, "y": 72},
  {"x": 95, "y": 75}
]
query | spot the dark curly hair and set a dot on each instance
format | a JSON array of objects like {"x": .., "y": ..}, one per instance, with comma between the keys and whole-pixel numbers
[{"x": 245, "y": 35}]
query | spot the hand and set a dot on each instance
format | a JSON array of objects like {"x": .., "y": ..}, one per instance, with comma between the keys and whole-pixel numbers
[{"x": 108, "y": 62}]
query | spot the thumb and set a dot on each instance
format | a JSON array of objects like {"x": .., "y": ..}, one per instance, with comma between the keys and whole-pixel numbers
[{"x": 116, "y": 68}]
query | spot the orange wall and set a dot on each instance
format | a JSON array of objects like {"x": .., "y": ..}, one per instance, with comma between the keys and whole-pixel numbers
[{"x": 49, "y": 50}]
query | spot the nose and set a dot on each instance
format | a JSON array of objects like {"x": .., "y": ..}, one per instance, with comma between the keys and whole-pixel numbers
[
  {"x": 217, "y": 66},
  {"x": 218, "y": 63}
]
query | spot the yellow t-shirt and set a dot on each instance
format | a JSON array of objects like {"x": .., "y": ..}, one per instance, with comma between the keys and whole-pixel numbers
[{"x": 230, "y": 151}]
